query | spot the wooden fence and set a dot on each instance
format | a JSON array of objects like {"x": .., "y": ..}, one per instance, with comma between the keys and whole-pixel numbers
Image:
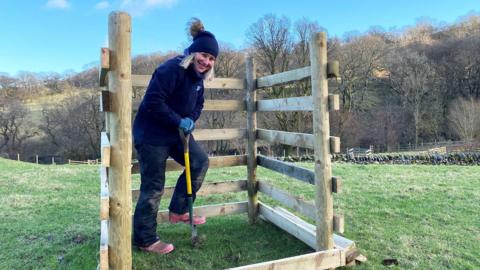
[{"x": 116, "y": 197}]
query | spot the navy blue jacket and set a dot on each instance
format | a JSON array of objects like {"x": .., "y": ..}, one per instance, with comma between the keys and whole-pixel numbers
[{"x": 172, "y": 94}]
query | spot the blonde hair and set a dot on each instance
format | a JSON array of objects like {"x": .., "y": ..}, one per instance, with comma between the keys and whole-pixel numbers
[{"x": 208, "y": 76}]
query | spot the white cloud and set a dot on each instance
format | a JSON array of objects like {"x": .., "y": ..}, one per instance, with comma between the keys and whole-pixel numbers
[
  {"x": 60, "y": 4},
  {"x": 138, "y": 7},
  {"x": 102, "y": 5}
]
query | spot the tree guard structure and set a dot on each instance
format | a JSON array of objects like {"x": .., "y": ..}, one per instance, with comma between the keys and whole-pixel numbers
[{"x": 116, "y": 82}]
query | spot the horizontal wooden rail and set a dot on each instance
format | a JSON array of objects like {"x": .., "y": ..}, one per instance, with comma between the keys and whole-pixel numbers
[
  {"x": 224, "y": 105},
  {"x": 219, "y": 134},
  {"x": 284, "y": 77},
  {"x": 104, "y": 194},
  {"x": 105, "y": 101},
  {"x": 104, "y": 66},
  {"x": 299, "y": 205},
  {"x": 285, "y": 104},
  {"x": 212, "y": 105},
  {"x": 207, "y": 189},
  {"x": 326, "y": 259},
  {"x": 286, "y": 168},
  {"x": 301, "y": 228},
  {"x": 104, "y": 265},
  {"x": 305, "y": 208},
  {"x": 219, "y": 161},
  {"x": 217, "y": 83},
  {"x": 105, "y": 152},
  {"x": 211, "y": 210},
  {"x": 289, "y": 138}
]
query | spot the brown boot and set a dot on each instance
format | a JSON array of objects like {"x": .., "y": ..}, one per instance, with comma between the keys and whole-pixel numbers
[{"x": 159, "y": 247}]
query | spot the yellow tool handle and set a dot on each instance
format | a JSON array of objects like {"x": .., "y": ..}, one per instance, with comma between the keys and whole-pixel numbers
[{"x": 187, "y": 173}]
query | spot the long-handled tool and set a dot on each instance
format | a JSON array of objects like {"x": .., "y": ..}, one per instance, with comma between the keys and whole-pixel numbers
[{"x": 185, "y": 139}]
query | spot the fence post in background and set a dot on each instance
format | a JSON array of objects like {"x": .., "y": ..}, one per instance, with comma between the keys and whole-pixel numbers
[
  {"x": 321, "y": 133},
  {"x": 119, "y": 129},
  {"x": 36, "y": 159},
  {"x": 18, "y": 156},
  {"x": 53, "y": 160},
  {"x": 251, "y": 99}
]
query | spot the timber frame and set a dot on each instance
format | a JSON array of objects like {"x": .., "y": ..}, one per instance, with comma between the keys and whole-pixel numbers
[{"x": 116, "y": 82}]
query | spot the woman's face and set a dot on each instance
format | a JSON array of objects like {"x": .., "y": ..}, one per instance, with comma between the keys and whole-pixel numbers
[{"x": 203, "y": 62}]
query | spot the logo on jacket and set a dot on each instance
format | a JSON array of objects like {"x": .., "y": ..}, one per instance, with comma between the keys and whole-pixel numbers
[{"x": 199, "y": 87}]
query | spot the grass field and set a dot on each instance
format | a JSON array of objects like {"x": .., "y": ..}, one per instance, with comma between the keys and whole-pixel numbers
[{"x": 426, "y": 217}]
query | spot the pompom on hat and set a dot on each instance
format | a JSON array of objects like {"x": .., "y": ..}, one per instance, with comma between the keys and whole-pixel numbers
[{"x": 203, "y": 41}]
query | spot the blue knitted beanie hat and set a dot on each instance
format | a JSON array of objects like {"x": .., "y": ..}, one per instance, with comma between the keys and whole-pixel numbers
[{"x": 203, "y": 41}]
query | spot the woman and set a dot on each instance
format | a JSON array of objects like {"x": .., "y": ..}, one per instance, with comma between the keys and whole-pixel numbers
[{"x": 173, "y": 100}]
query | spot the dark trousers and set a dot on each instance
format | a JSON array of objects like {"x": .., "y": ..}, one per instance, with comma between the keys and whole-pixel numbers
[{"x": 152, "y": 160}]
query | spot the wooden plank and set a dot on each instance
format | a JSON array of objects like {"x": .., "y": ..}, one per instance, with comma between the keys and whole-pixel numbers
[
  {"x": 226, "y": 83},
  {"x": 104, "y": 265},
  {"x": 104, "y": 66},
  {"x": 119, "y": 127},
  {"x": 289, "y": 138},
  {"x": 286, "y": 168},
  {"x": 338, "y": 223},
  {"x": 299, "y": 205},
  {"x": 217, "y": 83},
  {"x": 140, "y": 80},
  {"x": 214, "y": 162},
  {"x": 285, "y": 104},
  {"x": 104, "y": 194},
  {"x": 313, "y": 261},
  {"x": 333, "y": 102},
  {"x": 224, "y": 105},
  {"x": 210, "y": 210},
  {"x": 334, "y": 144},
  {"x": 284, "y": 223},
  {"x": 337, "y": 184},
  {"x": 251, "y": 100},
  {"x": 340, "y": 242},
  {"x": 206, "y": 189},
  {"x": 284, "y": 77},
  {"x": 333, "y": 69},
  {"x": 106, "y": 149},
  {"x": 219, "y": 134},
  {"x": 105, "y": 101},
  {"x": 218, "y": 105},
  {"x": 321, "y": 131}
]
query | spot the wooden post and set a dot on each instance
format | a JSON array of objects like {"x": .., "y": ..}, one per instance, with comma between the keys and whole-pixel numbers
[
  {"x": 321, "y": 132},
  {"x": 53, "y": 160},
  {"x": 18, "y": 156},
  {"x": 251, "y": 99},
  {"x": 36, "y": 159},
  {"x": 120, "y": 131}
]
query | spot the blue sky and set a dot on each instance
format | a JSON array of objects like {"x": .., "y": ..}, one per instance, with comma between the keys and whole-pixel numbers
[{"x": 61, "y": 35}]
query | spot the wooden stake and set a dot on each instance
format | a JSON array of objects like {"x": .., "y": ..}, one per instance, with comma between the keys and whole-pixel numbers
[
  {"x": 120, "y": 131},
  {"x": 321, "y": 131},
  {"x": 251, "y": 99}
]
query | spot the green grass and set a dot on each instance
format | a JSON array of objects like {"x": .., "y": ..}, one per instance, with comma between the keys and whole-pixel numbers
[{"x": 424, "y": 216}]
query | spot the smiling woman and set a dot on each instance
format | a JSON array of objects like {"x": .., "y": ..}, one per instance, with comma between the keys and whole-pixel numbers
[{"x": 173, "y": 100}]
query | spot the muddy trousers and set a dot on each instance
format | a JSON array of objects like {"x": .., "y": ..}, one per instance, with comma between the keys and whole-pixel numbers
[{"x": 152, "y": 160}]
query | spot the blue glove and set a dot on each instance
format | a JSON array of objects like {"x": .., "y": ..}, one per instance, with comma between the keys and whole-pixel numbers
[{"x": 187, "y": 125}]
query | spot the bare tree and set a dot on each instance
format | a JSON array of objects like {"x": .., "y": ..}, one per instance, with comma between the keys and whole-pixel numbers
[
  {"x": 361, "y": 67},
  {"x": 74, "y": 127},
  {"x": 465, "y": 118},
  {"x": 413, "y": 78},
  {"x": 271, "y": 43},
  {"x": 14, "y": 127}
]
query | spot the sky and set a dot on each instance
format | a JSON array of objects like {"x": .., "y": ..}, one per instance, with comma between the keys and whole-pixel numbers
[{"x": 66, "y": 35}]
